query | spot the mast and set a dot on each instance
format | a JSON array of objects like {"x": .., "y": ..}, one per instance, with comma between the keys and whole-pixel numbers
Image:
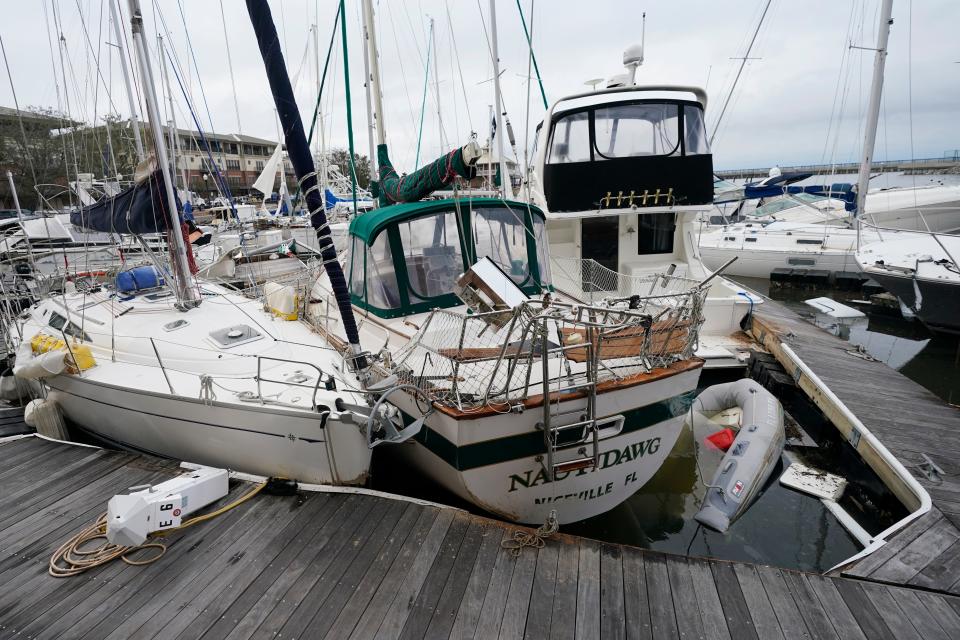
[
  {"x": 299, "y": 152},
  {"x": 367, "y": 92},
  {"x": 375, "y": 87},
  {"x": 115, "y": 16},
  {"x": 506, "y": 187},
  {"x": 873, "y": 111},
  {"x": 187, "y": 296},
  {"x": 743, "y": 63},
  {"x": 174, "y": 131}
]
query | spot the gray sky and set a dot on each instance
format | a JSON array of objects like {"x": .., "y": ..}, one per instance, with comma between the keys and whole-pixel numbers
[{"x": 784, "y": 111}]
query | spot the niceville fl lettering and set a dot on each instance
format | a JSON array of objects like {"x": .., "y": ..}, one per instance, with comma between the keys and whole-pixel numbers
[{"x": 610, "y": 458}]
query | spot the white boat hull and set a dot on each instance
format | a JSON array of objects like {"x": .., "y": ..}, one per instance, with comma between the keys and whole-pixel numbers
[
  {"x": 498, "y": 463},
  {"x": 259, "y": 440}
]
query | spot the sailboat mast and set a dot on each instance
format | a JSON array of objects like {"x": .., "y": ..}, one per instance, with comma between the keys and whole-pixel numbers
[
  {"x": 174, "y": 131},
  {"x": 506, "y": 187},
  {"x": 367, "y": 94},
  {"x": 375, "y": 87},
  {"x": 135, "y": 123},
  {"x": 299, "y": 152},
  {"x": 873, "y": 111},
  {"x": 186, "y": 295}
]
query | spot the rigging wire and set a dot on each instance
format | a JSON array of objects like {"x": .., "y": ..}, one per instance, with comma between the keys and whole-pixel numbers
[
  {"x": 233, "y": 84},
  {"x": 423, "y": 104},
  {"x": 456, "y": 55}
]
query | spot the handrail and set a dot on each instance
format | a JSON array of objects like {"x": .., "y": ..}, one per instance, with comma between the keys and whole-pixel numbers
[{"x": 315, "y": 387}]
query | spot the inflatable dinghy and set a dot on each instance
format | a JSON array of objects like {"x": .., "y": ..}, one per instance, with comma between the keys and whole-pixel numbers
[{"x": 750, "y": 459}]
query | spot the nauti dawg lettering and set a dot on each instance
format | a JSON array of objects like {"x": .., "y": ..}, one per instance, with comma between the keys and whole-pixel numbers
[{"x": 608, "y": 459}]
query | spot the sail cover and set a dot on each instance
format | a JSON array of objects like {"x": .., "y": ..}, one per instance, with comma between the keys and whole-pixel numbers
[
  {"x": 138, "y": 210},
  {"x": 422, "y": 182}
]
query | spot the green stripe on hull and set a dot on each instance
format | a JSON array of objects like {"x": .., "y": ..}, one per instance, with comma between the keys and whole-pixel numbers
[{"x": 528, "y": 444}]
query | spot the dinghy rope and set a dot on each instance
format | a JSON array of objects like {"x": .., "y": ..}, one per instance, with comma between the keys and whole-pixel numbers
[{"x": 537, "y": 539}]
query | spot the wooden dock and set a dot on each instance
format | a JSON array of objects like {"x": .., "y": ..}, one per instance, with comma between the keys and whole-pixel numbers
[
  {"x": 11, "y": 421},
  {"x": 357, "y": 565},
  {"x": 911, "y": 422}
]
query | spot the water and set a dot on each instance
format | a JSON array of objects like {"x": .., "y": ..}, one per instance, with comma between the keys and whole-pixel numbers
[
  {"x": 932, "y": 360},
  {"x": 783, "y": 528}
]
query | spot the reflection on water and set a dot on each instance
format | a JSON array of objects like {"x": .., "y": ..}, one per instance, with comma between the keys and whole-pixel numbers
[
  {"x": 932, "y": 360},
  {"x": 783, "y": 528}
]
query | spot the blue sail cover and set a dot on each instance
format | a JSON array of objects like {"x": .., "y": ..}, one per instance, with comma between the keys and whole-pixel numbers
[{"x": 138, "y": 210}]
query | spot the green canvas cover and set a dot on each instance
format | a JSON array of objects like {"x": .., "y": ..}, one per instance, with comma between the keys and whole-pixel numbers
[{"x": 393, "y": 188}]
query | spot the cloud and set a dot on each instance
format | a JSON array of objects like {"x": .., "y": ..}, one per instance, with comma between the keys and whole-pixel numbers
[{"x": 785, "y": 110}]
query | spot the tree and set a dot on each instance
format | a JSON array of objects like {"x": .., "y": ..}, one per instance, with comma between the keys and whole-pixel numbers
[
  {"x": 33, "y": 154},
  {"x": 341, "y": 158},
  {"x": 50, "y": 149}
]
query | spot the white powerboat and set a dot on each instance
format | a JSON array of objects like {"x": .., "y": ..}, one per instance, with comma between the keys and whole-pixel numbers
[{"x": 622, "y": 175}]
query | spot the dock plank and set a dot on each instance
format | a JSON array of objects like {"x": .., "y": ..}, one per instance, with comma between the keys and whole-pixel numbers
[
  {"x": 445, "y": 611},
  {"x": 563, "y": 618},
  {"x": 684, "y": 598},
  {"x": 436, "y": 579},
  {"x": 468, "y": 613},
  {"x": 784, "y": 605},
  {"x": 612, "y": 615},
  {"x": 735, "y": 607},
  {"x": 354, "y": 565},
  {"x": 663, "y": 619},
  {"x": 588, "y": 590},
  {"x": 636, "y": 607},
  {"x": 327, "y": 594},
  {"x": 541, "y": 593}
]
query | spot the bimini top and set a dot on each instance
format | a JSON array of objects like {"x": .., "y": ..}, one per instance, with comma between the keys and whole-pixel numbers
[
  {"x": 405, "y": 258},
  {"x": 368, "y": 225}
]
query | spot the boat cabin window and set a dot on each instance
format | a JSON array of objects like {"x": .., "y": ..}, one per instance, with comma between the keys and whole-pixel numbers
[
  {"x": 60, "y": 323},
  {"x": 571, "y": 139},
  {"x": 628, "y": 154},
  {"x": 637, "y": 130},
  {"x": 431, "y": 250},
  {"x": 695, "y": 139},
  {"x": 656, "y": 232},
  {"x": 500, "y": 234},
  {"x": 408, "y": 260},
  {"x": 381, "y": 277}
]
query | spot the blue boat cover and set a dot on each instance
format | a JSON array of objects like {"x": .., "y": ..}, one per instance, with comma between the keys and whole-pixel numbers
[{"x": 140, "y": 209}]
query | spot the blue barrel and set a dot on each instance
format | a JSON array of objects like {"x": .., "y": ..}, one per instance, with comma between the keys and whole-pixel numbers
[{"x": 138, "y": 279}]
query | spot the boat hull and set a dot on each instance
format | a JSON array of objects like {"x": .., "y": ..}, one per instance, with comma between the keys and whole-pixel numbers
[
  {"x": 939, "y": 304},
  {"x": 497, "y": 463},
  {"x": 254, "y": 439}
]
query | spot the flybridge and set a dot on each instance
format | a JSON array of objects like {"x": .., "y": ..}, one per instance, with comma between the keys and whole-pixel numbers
[{"x": 627, "y": 147}]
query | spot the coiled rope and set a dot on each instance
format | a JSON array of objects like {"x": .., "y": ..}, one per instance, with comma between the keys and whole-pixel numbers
[
  {"x": 72, "y": 558},
  {"x": 537, "y": 539}
]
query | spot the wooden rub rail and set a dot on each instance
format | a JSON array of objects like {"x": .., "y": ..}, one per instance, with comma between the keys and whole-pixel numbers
[{"x": 352, "y": 565}]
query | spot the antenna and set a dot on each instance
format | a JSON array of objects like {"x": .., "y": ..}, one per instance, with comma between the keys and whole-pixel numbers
[{"x": 633, "y": 55}]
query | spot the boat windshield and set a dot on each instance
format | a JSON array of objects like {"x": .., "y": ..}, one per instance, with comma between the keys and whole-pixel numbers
[
  {"x": 782, "y": 204},
  {"x": 629, "y": 148},
  {"x": 413, "y": 263}
]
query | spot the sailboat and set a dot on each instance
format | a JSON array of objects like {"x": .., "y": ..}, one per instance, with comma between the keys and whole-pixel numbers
[
  {"x": 762, "y": 246},
  {"x": 528, "y": 403},
  {"x": 923, "y": 272},
  {"x": 164, "y": 363}
]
